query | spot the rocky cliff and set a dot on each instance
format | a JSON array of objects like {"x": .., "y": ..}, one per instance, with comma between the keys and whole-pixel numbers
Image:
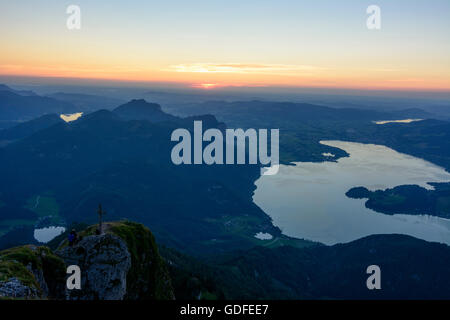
[
  {"x": 104, "y": 262},
  {"x": 31, "y": 272}
]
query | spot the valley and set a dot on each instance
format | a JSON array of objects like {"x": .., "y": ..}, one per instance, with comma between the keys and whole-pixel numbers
[{"x": 230, "y": 218}]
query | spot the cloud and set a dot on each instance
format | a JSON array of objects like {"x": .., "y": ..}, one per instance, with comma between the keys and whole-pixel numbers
[
  {"x": 246, "y": 68},
  {"x": 406, "y": 80},
  {"x": 61, "y": 70}
]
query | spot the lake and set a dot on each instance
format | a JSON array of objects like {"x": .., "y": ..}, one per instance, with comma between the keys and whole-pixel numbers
[
  {"x": 71, "y": 117},
  {"x": 308, "y": 200},
  {"x": 45, "y": 235}
]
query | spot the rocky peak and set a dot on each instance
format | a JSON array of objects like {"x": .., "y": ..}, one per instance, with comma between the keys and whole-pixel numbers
[
  {"x": 104, "y": 261},
  {"x": 123, "y": 263}
]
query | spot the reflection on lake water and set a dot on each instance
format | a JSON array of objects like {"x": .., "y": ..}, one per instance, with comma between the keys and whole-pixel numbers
[{"x": 308, "y": 200}]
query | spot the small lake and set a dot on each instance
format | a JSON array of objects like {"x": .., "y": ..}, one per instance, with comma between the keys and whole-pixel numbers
[
  {"x": 308, "y": 200},
  {"x": 45, "y": 235},
  {"x": 71, "y": 117}
]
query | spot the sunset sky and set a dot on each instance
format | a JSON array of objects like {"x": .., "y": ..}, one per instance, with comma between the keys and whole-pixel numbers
[{"x": 209, "y": 44}]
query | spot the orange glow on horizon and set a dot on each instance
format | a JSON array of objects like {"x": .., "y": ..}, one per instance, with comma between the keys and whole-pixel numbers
[
  {"x": 179, "y": 49},
  {"x": 206, "y": 85},
  {"x": 334, "y": 79}
]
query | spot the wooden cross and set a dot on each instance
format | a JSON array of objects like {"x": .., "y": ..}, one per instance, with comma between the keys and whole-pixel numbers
[{"x": 100, "y": 213}]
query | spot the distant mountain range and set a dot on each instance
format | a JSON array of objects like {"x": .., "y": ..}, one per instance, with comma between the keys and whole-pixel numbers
[
  {"x": 288, "y": 114},
  {"x": 25, "y": 93},
  {"x": 86, "y": 102},
  {"x": 20, "y": 106},
  {"x": 142, "y": 110},
  {"x": 28, "y": 128}
]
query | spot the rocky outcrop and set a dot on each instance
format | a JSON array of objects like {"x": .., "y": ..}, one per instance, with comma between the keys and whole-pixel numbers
[
  {"x": 122, "y": 264},
  {"x": 31, "y": 272},
  {"x": 40, "y": 279},
  {"x": 104, "y": 262},
  {"x": 14, "y": 288}
]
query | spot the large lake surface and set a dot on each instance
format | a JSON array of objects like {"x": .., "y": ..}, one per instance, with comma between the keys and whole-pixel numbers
[{"x": 308, "y": 200}]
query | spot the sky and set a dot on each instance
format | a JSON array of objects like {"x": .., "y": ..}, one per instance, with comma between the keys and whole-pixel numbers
[{"x": 210, "y": 44}]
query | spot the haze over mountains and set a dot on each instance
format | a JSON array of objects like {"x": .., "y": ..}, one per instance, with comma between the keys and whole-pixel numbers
[
  {"x": 22, "y": 105},
  {"x": 86, "y": 102},
  {"x": 27, "y": 128},
  {"x": 278, "y": 113},
  {"x": 17, "y": 107}
]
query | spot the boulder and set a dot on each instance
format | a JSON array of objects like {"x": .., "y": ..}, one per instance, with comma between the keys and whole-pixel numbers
[{"x": 14, "y": 288}]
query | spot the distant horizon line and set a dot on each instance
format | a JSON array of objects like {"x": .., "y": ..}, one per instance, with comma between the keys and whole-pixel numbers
[{"x": 205, "y": 87}]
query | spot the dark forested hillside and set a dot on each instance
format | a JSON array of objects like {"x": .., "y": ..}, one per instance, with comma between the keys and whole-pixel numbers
[
  {"x": 27, "y": 128},
  {"x": 14, "y": 106},
  {"x": 410, "y": 269},
  {"x": 126, "y": 164}
]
